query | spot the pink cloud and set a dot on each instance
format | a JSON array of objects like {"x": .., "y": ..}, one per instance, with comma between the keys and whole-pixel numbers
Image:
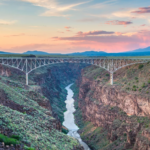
[
  {"x": 117, "y": 22},
  {"x": 67, "y": 27},
  {"x": 93, "y": 33},
  {"x": 143, "y": 25},
  {"x": 116, "y": 42},
  {"x": 68, "y": 30},
  {"x": 142, "y": 10}
]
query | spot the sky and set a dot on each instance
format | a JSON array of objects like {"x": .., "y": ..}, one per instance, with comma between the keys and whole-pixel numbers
[{"x": 66, "y": 26}]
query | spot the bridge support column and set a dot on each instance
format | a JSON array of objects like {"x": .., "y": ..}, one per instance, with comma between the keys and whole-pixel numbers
[
  {"x": 27, "y": 79},
  {"x": 111, "y": 78}
]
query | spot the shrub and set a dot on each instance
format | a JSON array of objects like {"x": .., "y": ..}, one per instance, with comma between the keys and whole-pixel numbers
[
  {"x": 107, "y": 75},
  {"x": 134, "y": 86},
  {"x": 65, "y": 131},
  {"x": 141, "y": 66},
  {"x": 15, "y": 137},
  {"x": 140, "y": 90},
  {"x": 125, "y": 134},
  {"x": 143, "y": 86},
  {"x": 148, "y": 81},
  {"x": 7, "y": 140},
  {"x": 147, "y": 92},
  {"x": 136, "y": 78},
  {"x": 133, "y": 89},
  {"x": 28, "y": 148}
]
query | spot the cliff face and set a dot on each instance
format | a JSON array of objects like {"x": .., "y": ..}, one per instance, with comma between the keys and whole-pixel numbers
[
  {"x": 118, "y": 116},
  {"x": 52, "y": 81},
  {"x": 112, "y": 95},
  {"x": 29, "y": 111}
]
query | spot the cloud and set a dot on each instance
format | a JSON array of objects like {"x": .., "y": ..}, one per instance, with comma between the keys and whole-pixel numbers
[
  {"x": 142, "y": 10},
  {"x": 16, "y": 35},
  {"x": 67, "y": 27},
  {"x": 19, "y": 35},
  {"x": 103, "y": 4},
  {"x": 93, "y": 33},
  {"x": 88, "y": 19},
  {"x": 6, "y": 22},
  {"x": 68, "y": 30},
  {"x": 115, "y": 42},
  {"x": 143, "y": 25},
  {"x": 54, "y": 8},
  {"x": 117, "y": 22},
  {"x": 100, "y": 39}
]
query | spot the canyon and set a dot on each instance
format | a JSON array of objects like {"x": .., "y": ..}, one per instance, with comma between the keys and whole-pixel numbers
[{"x": 109, "y": 117}]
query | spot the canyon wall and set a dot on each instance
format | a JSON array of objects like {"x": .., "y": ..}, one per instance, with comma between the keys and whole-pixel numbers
[
  {"x": 119, "y": 116},
  {"x": 34, "y": 112}
]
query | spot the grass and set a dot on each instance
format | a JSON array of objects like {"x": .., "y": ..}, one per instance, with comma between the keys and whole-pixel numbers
[
  {"x": 35, "y": 124},
  {"x": 9, "y": 140}
]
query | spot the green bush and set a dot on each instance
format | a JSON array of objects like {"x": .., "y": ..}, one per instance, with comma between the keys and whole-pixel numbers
[
  {"x": 148, "y": 81},
  {"x": 143, "y": 86},
  {"x": 141, "y": 66},
  {"x": 107, "y": 75},
  {"x": 7, "y": 140},
  {"x": 134, "y": 86},
  {"x": 15, "y": 137},
  {"x": 125, "y": 134},
  {"x": 136, "y": 78},
  {"x": 28, "y": 148},
  {"x": 65, "y": 131}
]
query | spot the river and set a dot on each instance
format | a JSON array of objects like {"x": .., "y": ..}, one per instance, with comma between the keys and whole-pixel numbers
[{"x": 69, "y": 121}]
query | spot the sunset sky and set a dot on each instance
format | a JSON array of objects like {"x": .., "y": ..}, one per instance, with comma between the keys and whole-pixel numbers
[{"x": 66, "y": 26}]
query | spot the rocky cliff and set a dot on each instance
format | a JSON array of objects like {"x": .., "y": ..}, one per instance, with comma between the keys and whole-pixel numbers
[
  {"x": 113, "y": 117},
  {"x": 32, "y": 113}
]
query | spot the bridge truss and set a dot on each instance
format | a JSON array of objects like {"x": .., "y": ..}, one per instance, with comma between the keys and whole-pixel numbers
[{"x": 27, "y": 65}]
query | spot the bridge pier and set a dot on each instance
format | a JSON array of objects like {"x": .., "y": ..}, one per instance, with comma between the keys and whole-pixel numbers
[
  {"x": 111, "y": 78},
  {"x": 27, "y": 79}
]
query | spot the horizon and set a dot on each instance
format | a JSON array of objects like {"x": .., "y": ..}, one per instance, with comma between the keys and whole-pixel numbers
[{"x": 54, "y": 26}]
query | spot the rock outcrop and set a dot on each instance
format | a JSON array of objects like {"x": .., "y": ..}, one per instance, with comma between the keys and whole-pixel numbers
[{"x": 123, "y": 115}]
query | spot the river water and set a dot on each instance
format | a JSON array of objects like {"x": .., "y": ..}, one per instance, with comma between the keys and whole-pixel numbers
[{"x": 69, "y": 121}]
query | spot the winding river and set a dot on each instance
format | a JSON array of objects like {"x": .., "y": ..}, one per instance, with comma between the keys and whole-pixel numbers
[{"x": 69, "y": 121}]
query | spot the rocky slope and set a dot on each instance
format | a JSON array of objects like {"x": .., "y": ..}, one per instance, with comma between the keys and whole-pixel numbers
[
  {"x": 32, "y": 113},
  {"x": 114, "y": 117}
]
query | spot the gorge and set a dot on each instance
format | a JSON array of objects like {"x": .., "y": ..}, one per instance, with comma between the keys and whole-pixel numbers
[
  {"x": 109, "y": 117},
  {"x": 69, "y": 118}
]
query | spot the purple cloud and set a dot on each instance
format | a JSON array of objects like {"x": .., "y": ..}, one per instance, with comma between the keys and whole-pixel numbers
[
  {"x": 117, "y": 22},
  {"x": 142, "y": 10},
  {"x": 93, "y": 33}
]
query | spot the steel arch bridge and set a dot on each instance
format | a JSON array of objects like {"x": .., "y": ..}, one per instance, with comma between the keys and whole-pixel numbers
[{"x": 27, "y": 65}]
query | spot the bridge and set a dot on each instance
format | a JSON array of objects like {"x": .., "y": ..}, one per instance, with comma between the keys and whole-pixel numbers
[{"x": 27, "y": 65}]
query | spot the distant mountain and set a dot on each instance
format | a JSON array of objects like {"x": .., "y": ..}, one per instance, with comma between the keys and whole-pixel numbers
[
  {"x": 101, "y": 53},
  {"x": 137, "y": 52},
  {"x": 1, "y": 52},
  {"x": 147, "y": 49},
  {"x": 89, "y": 53},
  {"x": 36, "y": 53}
]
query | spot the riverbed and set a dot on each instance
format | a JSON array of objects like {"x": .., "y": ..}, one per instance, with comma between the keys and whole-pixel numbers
[{"x": 69, "y": 120}]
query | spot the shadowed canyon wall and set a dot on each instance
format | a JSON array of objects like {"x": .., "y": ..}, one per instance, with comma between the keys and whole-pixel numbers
[{"x": 114, "y": 117}]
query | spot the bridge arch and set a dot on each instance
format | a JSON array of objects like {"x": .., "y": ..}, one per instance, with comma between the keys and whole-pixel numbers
[{"x": 27, "y": 65}]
